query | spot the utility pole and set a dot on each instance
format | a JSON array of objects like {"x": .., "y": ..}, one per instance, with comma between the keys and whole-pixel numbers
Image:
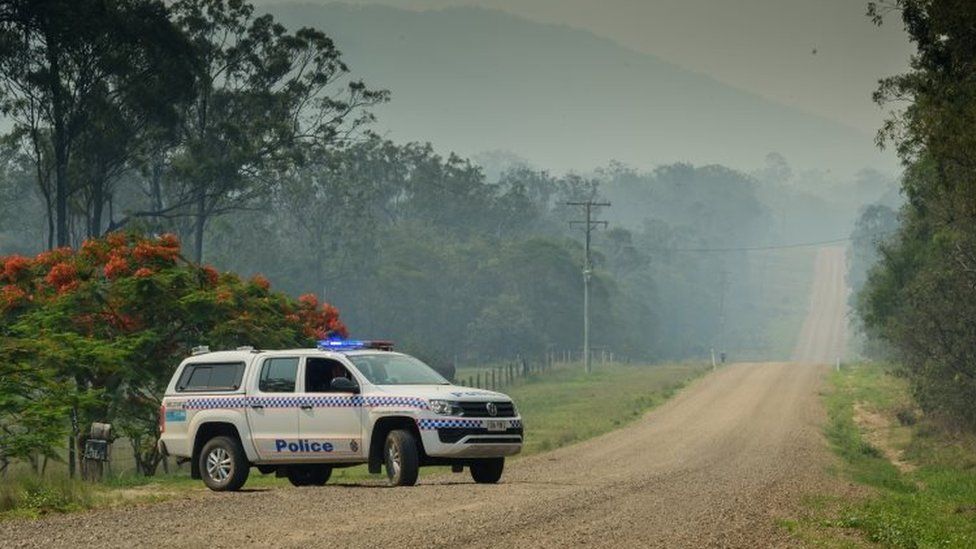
[{"x": 588, "y": 225}]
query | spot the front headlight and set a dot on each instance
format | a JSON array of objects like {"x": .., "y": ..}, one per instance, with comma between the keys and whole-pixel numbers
[
  {"x": 514, "y": 408},
  {"x": 445, "y": 407}
]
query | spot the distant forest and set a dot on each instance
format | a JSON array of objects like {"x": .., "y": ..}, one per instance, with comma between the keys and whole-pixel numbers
[{"x": 252, "y": 142}]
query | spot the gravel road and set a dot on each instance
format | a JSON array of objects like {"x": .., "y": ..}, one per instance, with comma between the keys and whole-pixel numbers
[{"x": 715, "y": 466}]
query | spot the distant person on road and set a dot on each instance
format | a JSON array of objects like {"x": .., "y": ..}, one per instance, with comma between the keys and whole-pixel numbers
[{"x": 722, "y": 357}]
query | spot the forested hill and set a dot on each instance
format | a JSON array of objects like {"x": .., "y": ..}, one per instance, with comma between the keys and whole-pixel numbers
[{"x": 471, "y": 80}]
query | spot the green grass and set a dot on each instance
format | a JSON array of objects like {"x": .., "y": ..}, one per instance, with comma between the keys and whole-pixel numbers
[
  {"x": 33, "y": 496},
  {"x": 932, "y": 505},
  {"x": 559, "y": 407},
  {"x": 566, "y": 405}
]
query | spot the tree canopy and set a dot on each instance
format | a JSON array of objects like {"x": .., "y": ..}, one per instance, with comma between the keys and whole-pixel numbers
[
  {"x": 99, "y": 330},
  {"x": 919, "y": 298}
]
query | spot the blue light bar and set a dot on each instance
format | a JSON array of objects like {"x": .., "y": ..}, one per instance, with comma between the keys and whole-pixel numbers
[
  {"x": 341, "y": 344},
  {"x": 353, "y": 344}
]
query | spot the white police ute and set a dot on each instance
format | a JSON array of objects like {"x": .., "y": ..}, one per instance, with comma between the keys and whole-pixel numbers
[{"x": 301, "y": 413}]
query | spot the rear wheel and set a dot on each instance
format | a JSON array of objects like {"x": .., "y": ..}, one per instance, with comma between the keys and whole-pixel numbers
[
  {"x": 309, "y": 475},
  {"x": 487, "y": 471},
  {"x": 223, "y": 465},
  {"x": 402, "y": 458}
]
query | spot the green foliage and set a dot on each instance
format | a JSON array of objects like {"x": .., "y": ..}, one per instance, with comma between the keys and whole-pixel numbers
[
  {"x": 86, "y": 82},
  {"x": 919, "y": 298},
  {"x": 32, "y": 496},
  {"x": 423, "y": 249},
  {"x": 99, "y": 331},
  {"x": 931, "y": 506}
]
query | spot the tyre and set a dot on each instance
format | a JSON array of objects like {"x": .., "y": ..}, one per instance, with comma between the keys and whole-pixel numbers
[
  {"x": 223, "y": 464},
  {"x": 402, "y": 458},
  {"x": 309, "y": 475},
  {"x": 487, "y": 471}
]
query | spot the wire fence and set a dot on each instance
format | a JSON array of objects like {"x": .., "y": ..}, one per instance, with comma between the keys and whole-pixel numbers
[{"x": 505, "y": 374}]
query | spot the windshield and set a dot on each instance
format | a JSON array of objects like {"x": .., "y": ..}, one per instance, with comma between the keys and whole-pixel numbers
[{"x": 394, "y": 369}]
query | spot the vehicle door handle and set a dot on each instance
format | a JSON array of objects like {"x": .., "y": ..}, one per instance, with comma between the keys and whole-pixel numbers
[
  {"x": 258, "y": 406},
  {"x": 306, "y": 406}
]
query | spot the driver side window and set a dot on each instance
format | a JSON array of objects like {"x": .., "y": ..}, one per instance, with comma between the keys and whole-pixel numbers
[{"x": 319, "y": 373}]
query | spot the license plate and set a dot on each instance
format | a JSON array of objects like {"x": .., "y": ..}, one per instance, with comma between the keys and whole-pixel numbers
[{"x": 495, "y": 425}]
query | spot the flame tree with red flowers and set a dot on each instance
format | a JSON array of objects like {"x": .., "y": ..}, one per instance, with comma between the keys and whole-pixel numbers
[{"x": 94, "y": 335}]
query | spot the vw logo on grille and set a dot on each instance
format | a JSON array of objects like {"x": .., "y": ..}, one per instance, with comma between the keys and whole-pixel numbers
[{"x": 492, "y": 409}]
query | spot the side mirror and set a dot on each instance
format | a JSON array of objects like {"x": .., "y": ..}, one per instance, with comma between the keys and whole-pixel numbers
[{"x": 343, "y": 385}]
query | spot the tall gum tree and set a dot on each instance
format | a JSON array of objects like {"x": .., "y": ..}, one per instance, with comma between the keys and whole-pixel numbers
[
  {"x": 73, "y": 70},
  {"x": 266, "y": 99}
]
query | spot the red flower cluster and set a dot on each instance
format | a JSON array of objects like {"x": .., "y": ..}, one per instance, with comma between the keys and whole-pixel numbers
[
  {"x": 261, "y": 282},
  {"x": 319, "y": 322},
  {"x": 51, "y": 257},
  {"x": 308, "y": 301},
  {"x": 95, "y": 250},
  {"x": 117, "y": 266},
  {"x": 169, "y": 240},
  {"x": 14, "y": 267},
  {"x": 99, "y": 263},
  {"x": 117, "y": 240},
  {"x": 211, "y": 274},
  {"x": 11, "y": 296},
  {"x": 147, "y": 251},
  {"x": 63, "y": 277}
]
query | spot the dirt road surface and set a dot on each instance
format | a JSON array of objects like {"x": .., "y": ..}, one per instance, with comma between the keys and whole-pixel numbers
[
  {"x": 715, "y": 466},
  {"x": 823, "y": 336}
]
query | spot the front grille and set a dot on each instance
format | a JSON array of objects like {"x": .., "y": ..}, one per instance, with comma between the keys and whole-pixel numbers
[
  {"x": 454, "y": 434},
  {"x": 480, "y": 409}
]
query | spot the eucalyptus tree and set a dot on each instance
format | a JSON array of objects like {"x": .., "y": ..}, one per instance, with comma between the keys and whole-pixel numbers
[
  {"x": 266, "y": 99},
  {"x": 73, "y": 69}
]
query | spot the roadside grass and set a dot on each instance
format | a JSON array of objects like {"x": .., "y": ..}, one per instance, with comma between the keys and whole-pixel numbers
[
  {"x": 33, "y": 496},
  {"x": 566, "y": 405},
  {"x": 559, "y": 407},
  {"x": 929, "y": 500}
]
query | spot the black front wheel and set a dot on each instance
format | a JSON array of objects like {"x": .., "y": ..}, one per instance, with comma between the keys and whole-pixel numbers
[
  {"x": 309, "y": 475},
  {"x": 487, "y": 471},
  {"x": 402, "y": 458}
]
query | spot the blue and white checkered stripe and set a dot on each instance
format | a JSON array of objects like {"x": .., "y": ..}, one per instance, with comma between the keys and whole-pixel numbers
[
  {"x": 394, "y": 401},
  {"x": 210, "y": 403},
  {"x": 215, "y": 403},
  {"x": 428, "y": 424}
]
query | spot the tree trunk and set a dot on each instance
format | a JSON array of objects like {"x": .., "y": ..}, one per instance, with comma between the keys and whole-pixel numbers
[
  {"x": 201, "y": 221},
  {"x": 61, "y": 187},
  {"x": 73, "y": 442},
  {"x": 98, "y": 204}
]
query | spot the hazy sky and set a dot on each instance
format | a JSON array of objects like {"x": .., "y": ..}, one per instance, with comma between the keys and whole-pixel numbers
[{"x": 764, "y": 46}]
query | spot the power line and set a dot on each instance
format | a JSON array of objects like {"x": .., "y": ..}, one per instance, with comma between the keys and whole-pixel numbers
[{"x": 760, "y": 248}]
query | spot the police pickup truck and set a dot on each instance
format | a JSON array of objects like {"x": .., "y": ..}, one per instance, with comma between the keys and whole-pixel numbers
[{"x": 302, "y": 413}]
